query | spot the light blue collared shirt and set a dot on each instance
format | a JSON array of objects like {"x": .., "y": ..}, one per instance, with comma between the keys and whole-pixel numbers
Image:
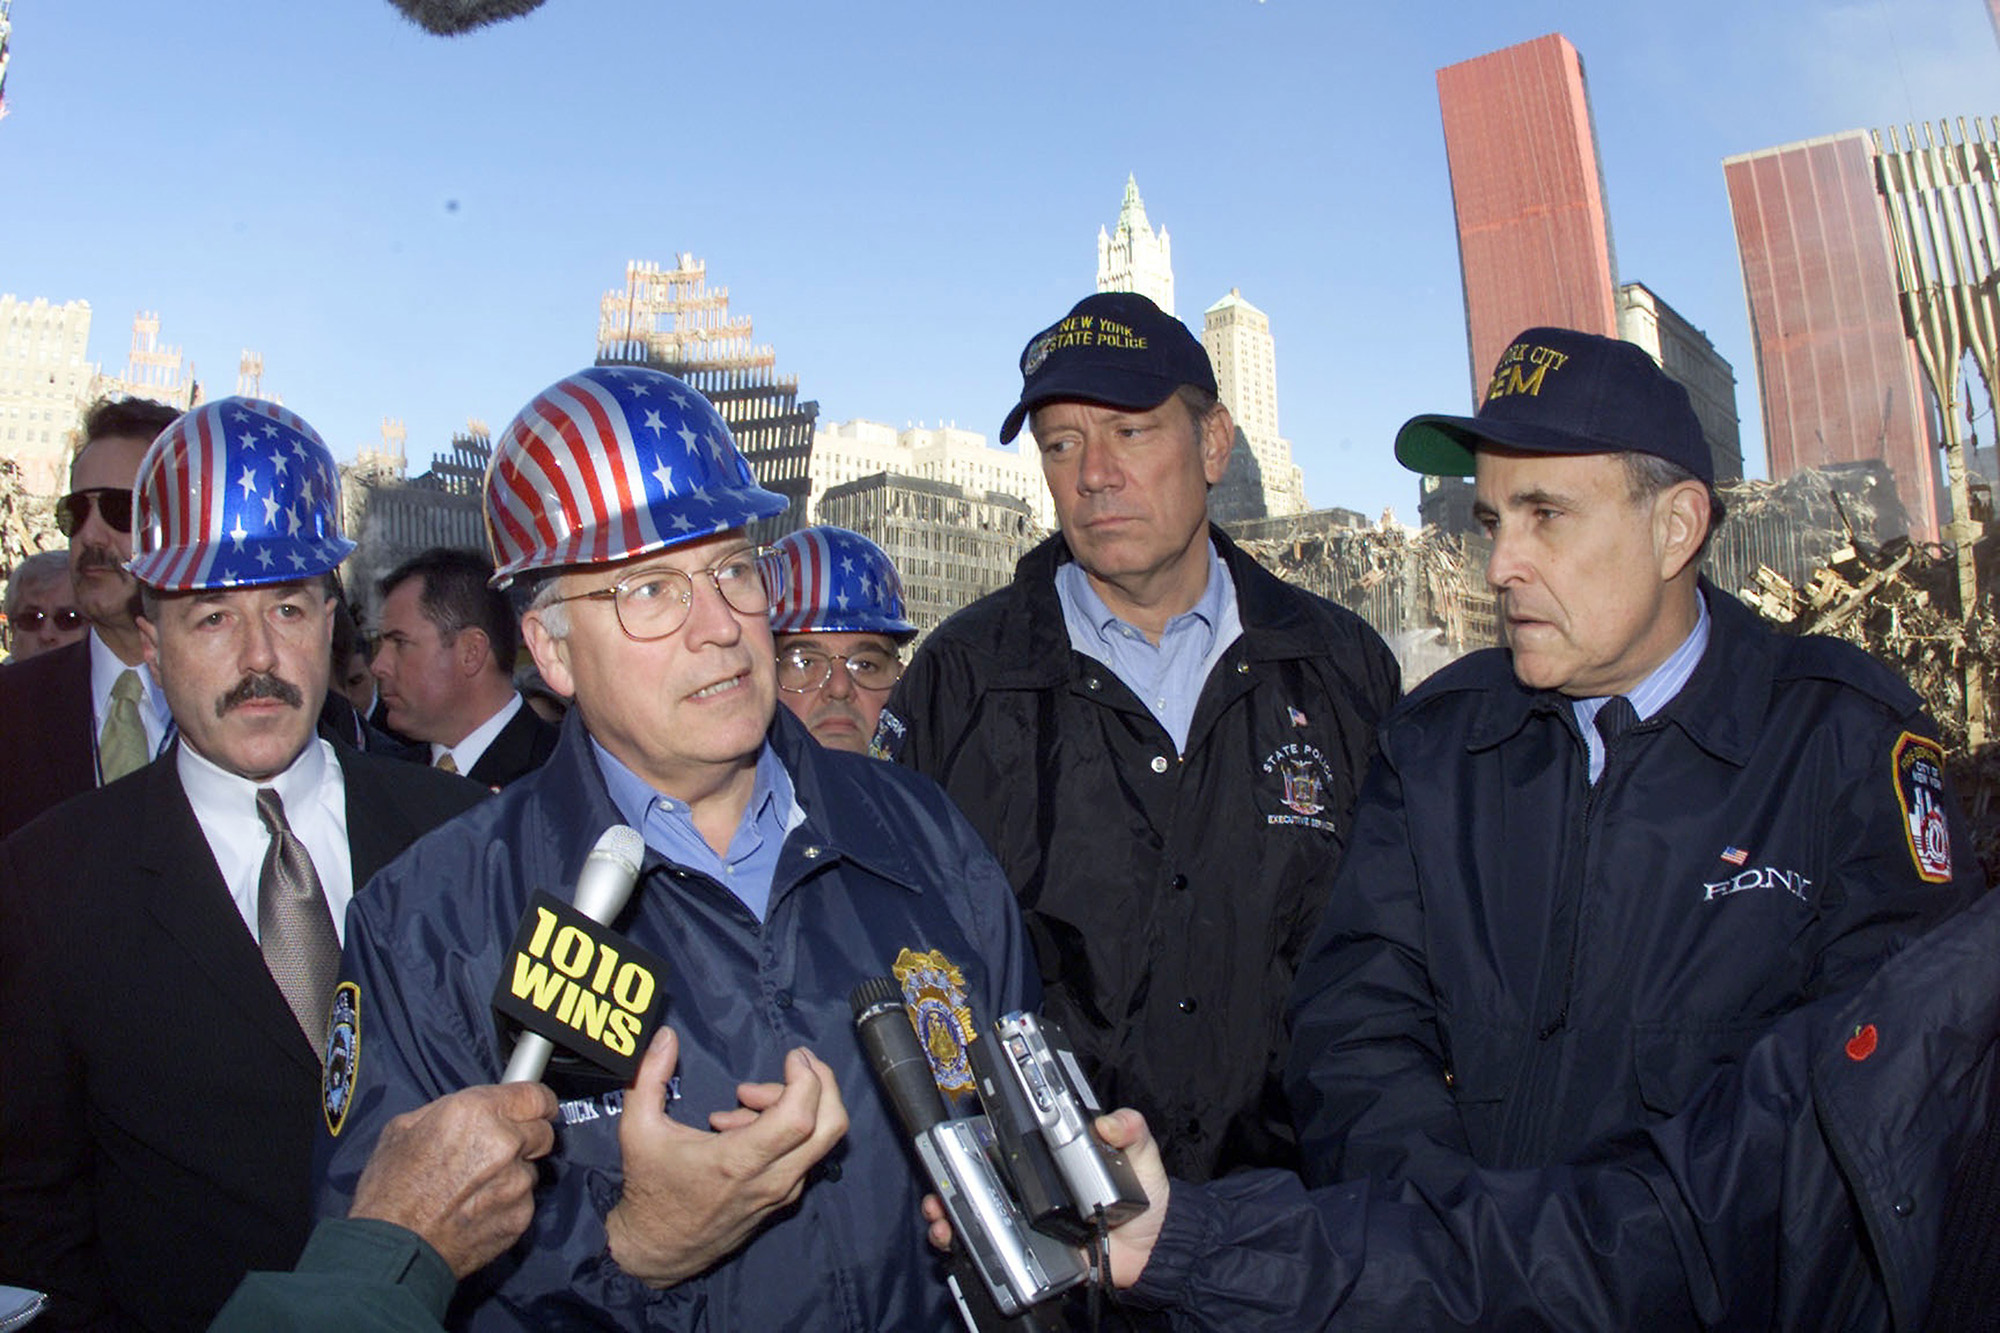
[
  {"x": 668, "y": 826},
  {"x": 1166, "y": 677},
  {"x": 1652, "y": 693}
]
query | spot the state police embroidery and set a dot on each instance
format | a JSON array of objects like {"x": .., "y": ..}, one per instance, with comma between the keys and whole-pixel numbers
[
  {"x": 934, "y": 991},
  {"x": 343, "y": 1055},
  {"x": 1919, "y": 768},
  {"x": 1301, "y": 783}
]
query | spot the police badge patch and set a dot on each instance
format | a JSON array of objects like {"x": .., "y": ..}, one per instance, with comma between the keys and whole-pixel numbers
[
  {"x": 934, "y": 991},
  {"x": 1919, "y": 768},
  {"x": 343, "y": 1052}
]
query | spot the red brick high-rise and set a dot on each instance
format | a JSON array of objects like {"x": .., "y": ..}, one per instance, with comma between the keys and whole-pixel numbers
[
  {"x": 1534, "y": 242},
  {"x": 1838, "y": 379}
]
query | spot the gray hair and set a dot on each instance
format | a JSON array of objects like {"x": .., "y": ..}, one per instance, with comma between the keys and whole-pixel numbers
[
  {"x": 553, "y": 614},
  {"x": 43, "y": 567},
  {"x": 1646, "y": 475}
]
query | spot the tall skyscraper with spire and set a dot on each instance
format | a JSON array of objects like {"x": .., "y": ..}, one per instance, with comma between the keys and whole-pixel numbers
[{"x": 1132, "y": 257}]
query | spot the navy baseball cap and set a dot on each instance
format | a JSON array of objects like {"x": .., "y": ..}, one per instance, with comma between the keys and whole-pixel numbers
[
  {"x": 1115, "y": 348},
  {"x": 1557, "y": 391}
]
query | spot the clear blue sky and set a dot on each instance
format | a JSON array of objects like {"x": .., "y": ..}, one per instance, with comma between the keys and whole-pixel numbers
[{"x": 897, "y": 194}]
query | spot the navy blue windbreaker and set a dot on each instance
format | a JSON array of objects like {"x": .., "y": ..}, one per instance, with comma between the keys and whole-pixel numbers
[
  {"x": 882, "y": 863},
  {"x": 1803, "y": 1188},
  {"x": 1514, "y": 963}
]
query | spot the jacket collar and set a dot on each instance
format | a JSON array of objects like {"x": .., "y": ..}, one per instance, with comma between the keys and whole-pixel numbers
[
  {"x": 840, "y": 822},
  {"x": 1036, "y": 654},
  {"x": 1721, "y": 708}
]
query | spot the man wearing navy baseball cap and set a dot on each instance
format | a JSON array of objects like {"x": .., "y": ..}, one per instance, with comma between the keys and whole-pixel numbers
[
  {"x": 1595, "y": 863},
  {"x": 1160, "y": 740}
]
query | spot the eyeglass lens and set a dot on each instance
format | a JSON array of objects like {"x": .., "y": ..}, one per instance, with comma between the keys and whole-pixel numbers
[
  {"x": 800, "y": 669},
  {"x": 114, "y": 505},
  {"x": 655, "y": 604}
]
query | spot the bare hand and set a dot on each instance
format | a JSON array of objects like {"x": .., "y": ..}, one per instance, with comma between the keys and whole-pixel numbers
[
  {"x": 693, "y": 1196},
  {"x": 1132, "y": 1242},
  {"x": 457, "y": 1172}
]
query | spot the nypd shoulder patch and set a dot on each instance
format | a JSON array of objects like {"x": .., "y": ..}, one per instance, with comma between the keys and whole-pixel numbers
[
  {"x": 343, "y": 1056},
  {"x": 1919, "y": 768}
]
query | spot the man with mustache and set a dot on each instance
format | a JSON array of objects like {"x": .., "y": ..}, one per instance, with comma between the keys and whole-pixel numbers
[
  {"x": 1593, "y": 865},
  {"x": 86, "y": 714},
  {"x": 1159, "y": 739},
  {"x": 839, "y": 628},
  {"x": 169, "y": 942}
]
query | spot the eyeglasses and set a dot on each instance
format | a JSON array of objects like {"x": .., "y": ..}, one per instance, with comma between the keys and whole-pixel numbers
[
  {"x": 114, "y": 506},
  {"x": 654, "y": 602},
  {"x": 802, "y": 670},
  {"x": 66, "y": 617}
]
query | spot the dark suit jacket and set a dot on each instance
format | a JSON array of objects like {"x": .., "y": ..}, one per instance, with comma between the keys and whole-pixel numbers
[
  {"x": 45, "y": 732},
  {"x": 517, "y": 751},
  {"x": 157, "y": 1099}
]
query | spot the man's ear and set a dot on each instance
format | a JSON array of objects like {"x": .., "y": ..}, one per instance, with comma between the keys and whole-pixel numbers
[
  {"x": 551, "y": 655},
  {"x": 472, "y": 648},
  {"x": 149, "y": 642},
  {"x": 1218, "y": 437},
  {"x": 1680, "y": 525}
]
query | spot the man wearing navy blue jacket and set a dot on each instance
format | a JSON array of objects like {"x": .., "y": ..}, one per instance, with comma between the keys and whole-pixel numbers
[
  {"x": 1590, "y": 867},
  {"x": 753, "y": 1177}
]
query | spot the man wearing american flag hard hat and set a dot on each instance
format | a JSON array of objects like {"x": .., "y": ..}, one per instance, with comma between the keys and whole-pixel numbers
[
  {"x": 840, "y": 626},
  {"x": 750, "y": 1176},
  {"x": 168, "y": 942}
]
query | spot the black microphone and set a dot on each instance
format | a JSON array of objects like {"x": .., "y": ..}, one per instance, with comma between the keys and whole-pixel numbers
[
  {"x": 883, "y": 1025},
  {"x": 603, "y": 887}
]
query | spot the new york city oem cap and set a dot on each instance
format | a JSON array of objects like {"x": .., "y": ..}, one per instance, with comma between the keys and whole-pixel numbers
[
  {"x": 1115, "y": 348},
  {"x": 1557, "y": 391}
]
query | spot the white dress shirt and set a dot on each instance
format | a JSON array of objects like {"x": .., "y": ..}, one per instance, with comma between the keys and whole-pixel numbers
[
  {"x": 315, "y": 797},
  {"x": 105, "y": 668},
  {"x": 468, "y": 751}
]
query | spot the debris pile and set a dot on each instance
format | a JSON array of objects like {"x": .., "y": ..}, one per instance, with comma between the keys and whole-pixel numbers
[{"x": 1423, "y": 590}]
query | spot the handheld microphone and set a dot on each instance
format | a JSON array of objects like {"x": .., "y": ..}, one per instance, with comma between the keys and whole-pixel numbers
[
  {"x": 883, "y": 1025},
  {"x": 603, "y": 887}
]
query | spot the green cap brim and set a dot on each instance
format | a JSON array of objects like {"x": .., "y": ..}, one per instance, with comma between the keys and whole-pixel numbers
[{"x": 1437, "y": 446}]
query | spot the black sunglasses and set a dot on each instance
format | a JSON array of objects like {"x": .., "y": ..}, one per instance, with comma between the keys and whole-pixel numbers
[
  {"x": 114, "y": 505},
  {"x": 66, "y": 617}
]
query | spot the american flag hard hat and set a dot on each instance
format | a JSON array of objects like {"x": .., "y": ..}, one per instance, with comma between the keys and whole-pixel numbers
[
  {"x": 838, "y": 582},
  {"x": 613, "y": 462},
  {"x": 236, "y": 493}
]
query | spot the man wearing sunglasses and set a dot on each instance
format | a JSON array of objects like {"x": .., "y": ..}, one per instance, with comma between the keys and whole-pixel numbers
[
  {"x": 752, "y": 1176},
  {"x": 87, "y": 714},
  {"x": 41, "y": 608},
  {"x": 168, "y": 942},
  {"x": 840, "y": 629}
]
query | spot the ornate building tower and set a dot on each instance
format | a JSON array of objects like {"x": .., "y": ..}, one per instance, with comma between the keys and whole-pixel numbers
[{"x": 1132, "y": 257}]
